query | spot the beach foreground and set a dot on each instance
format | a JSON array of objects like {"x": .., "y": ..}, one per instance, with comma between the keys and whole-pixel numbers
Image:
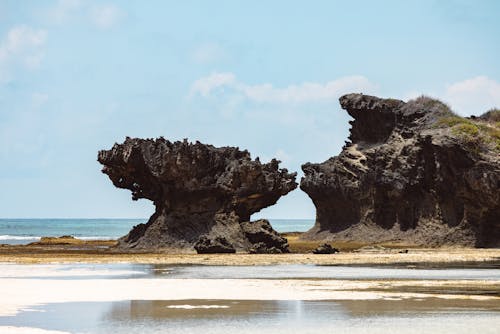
[
  {"x": 383, "y": 287},
  {"x": 142, "y": 298}
]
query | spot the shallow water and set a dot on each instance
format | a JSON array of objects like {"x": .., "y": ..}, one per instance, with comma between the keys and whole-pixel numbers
[
  {"x": 242, "y": 316},
  {"x": 389, "y": 315},
  {"x": 125, "y": 270}
]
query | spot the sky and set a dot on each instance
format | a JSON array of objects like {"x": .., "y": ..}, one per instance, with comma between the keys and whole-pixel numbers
[{"x": 76, "y": 76}]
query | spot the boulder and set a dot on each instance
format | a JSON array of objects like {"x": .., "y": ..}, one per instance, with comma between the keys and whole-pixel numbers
[
  {"x": 325, "y": 249},
  {"x": 211, "y": 246},
  {"x": 264, "y": 238}
]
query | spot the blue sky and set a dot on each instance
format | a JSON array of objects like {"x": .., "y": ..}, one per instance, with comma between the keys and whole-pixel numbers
[{"x": 78, "y": 75}]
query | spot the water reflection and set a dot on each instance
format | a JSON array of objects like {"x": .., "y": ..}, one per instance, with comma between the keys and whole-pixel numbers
[{"x": 216, "y": 316}]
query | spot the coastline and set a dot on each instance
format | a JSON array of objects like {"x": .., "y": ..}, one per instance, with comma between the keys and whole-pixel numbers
[{"x": 55, "y": 250}]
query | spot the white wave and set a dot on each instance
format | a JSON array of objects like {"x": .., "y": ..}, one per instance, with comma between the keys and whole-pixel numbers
[
  {"x": 56, "y": 270},
  {"x": 190, "y": 307},
  {"x": 18, "y": 237},
  {"x": 27, "y": 330},
  {"x": 37, "y": 238},
  {"x": 96, "y": 238}
]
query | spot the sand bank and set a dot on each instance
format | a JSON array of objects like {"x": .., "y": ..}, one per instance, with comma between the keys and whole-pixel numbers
[{"x": 376, "y": 256}]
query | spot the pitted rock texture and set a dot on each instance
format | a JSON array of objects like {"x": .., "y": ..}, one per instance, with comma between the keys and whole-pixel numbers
[
  {"x": 406, "y": 177},
  {"x": 198, "y": 190},
  {"x": 263, "y": 238},
  {"x": 204, "y": 245}
]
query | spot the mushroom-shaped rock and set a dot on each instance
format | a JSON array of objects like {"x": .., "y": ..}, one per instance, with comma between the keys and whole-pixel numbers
[
  {"x": 197, "y": 189},
  {"x": 412, "y": 172}
]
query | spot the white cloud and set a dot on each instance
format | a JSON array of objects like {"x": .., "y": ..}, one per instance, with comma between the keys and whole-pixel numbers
[
  {"x": 21, "y": 38},
  {"x": 208, "y": 53},
  {"x": 105, "y": 16},
  {"x": 63, "y": 10},
  {"x": 267, "y": 93},
  {"x": 206, "y": 85},
  {"x": 39, "y": 99},
  {"x": 22, "y": 45},
  {"x": 473, "y": 96}
]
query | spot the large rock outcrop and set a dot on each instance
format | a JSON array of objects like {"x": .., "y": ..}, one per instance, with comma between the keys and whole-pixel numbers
[
  {"x": 199, "y": 191},
  {"x": 411, "y": 172}
]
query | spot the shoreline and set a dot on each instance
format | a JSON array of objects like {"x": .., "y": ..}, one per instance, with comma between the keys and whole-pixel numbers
[{"x": 71, "y": 250}]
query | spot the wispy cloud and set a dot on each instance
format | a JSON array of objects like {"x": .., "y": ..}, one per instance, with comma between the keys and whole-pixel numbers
[
  {"x": 23, "y": 46},
  {"x": 103, "y": 16},
  {"x": 39, "y": 99},
  {"x": 473, "y": 96},
  {"x": 106, "y": 16},
  {"x": 63, "y": 10},
  {"x": 218, "y": 83},
  {"x": 208, "y": 53},
  {"x": 207, "y": 85}
]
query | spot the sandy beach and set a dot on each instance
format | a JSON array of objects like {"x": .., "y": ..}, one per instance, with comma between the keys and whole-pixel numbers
[{"x": 78, "y": 251}]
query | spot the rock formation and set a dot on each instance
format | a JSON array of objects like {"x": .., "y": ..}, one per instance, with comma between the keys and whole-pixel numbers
[
  {"x": 411, "y": 172},
  {"x": 199, "y": 191}
]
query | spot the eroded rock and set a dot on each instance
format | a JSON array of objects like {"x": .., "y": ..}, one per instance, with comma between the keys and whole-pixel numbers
[
  {"x": 197, "y": 189},
  {"x": 211, "y": 246},
  {"x": 411, "y": 172},
  {"x": 325, "y": 249},
  {"x": 264, "y": 238}
]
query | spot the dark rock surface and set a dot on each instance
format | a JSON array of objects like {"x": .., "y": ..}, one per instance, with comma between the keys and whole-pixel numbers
[
  {"x": 264, "y": 238},
  {"x": 204, "y": 245},
  {"x": 197, "y": 189},
  {"x": 325, "y": 249},
  {"x": 412, "y": 172}
]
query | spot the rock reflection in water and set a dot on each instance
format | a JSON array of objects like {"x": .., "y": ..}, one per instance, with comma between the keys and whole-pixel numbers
[{"x": 247, "y": 316}]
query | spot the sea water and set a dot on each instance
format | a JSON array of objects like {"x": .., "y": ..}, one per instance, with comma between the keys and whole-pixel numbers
[{"x": 24, "y": 231}]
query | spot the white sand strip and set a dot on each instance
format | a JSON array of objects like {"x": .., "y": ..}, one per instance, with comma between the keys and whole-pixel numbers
[
  {"x": 8, "y": 270},
  {"x": 27, "y": 330}
]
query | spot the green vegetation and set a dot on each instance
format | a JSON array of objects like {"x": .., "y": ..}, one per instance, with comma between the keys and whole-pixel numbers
[
  {"x": 492, "y": 115},
  {"x": 479, "y": 133},
  {"x": 466, "y": 129},
  {"x": 450, "y": 121},
  {"x": 431, "y": 104},
  {"x": 469, "y": 133},
  {"x": 476, "y": 133}
]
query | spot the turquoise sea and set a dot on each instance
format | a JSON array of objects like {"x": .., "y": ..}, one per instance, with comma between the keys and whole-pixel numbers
[{"x": 23, "y": 231}]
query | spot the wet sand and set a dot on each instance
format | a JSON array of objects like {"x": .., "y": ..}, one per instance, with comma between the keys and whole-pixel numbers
[{"x": 77, "y": 251}]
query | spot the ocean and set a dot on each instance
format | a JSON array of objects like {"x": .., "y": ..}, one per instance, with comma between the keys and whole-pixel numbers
[{"x": 24, "y": 231}]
